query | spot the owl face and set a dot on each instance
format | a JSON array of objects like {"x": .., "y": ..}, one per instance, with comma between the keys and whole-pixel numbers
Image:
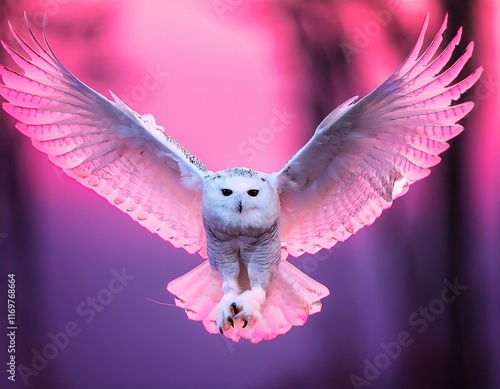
[{"x": 240, "y": 198}]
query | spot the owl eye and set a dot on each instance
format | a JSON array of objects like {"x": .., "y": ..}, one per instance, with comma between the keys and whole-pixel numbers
[
  {"x": 227, "y": 192},
  {"x": 253, "y": 192}
]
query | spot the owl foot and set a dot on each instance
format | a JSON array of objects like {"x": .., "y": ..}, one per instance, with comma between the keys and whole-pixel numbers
[
  {"x": 226, "y": 312},
  {"x": 244, "y": 307},
  {"x": 247, "y": 306}
]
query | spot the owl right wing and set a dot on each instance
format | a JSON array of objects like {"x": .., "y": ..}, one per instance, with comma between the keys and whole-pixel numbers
[
  {"x": 368, "y": 152},
  {"x": 106, "y": 146}
]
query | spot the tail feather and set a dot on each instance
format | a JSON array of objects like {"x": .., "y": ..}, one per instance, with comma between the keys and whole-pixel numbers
[
  {"x": 198, "y": 291},
  {"x": 291, "y": 297}
]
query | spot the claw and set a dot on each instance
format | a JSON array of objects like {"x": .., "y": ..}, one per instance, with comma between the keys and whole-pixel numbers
[
  {"x": 234, "y": 306},
  {"x": 230, "y": 320},
  {"x": 220, "y": 329},
  {"x": 245, "y": 322}
]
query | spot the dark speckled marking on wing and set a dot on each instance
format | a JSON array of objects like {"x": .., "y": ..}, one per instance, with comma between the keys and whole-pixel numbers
[{"x": 189, "y": 156}]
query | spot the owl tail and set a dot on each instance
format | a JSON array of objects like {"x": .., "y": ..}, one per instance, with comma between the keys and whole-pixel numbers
[{"x": 291, "y": 297}]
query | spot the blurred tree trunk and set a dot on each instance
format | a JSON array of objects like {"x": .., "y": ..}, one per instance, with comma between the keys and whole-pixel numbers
[
  {"x": 463, "y": 371},
  {"x": 18, "y": 246}
]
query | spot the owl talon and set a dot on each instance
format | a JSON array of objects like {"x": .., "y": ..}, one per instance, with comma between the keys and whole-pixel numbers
[
  {"x": 235, "y": 308},
  {"x": 230, "y": 320},
  {"x": 245, "y": 323}
]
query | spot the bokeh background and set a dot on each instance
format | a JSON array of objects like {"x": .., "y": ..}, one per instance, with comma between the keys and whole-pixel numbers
[{"x": 215, "y": 73}]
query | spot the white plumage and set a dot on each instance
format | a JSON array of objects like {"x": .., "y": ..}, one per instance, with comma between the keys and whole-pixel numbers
[{"x": 362, "y": 156}]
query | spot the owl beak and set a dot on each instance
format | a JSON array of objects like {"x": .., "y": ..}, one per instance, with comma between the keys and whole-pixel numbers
[{"x": 240, "y": 206}]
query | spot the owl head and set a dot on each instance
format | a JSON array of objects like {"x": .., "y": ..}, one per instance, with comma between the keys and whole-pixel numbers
[{"x": 240, "y": 198}]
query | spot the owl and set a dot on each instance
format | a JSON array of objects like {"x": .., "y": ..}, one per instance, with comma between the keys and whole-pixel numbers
[{"x": 245, "y": 223}]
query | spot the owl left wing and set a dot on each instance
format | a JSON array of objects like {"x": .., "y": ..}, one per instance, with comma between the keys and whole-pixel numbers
[
  {"x": 366, "y": 153},
  {"x": 106, "y": 146}
]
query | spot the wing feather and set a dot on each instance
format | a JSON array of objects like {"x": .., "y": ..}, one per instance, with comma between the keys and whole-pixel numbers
[
  {"x": 367, "y": 152},
  {"x": 105, "y": 145}
]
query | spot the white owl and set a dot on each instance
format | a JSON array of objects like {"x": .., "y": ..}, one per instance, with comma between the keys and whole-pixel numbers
[{"x": 364, "y": 155}]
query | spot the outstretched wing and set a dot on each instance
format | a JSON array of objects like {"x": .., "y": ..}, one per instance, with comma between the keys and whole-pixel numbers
[
  {"x": 106, "y": 146},
  {"x": 366, "y": 153}
]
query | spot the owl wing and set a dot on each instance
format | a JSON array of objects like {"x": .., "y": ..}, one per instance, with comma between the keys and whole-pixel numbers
[
  {"x": 367, "y": 152},
  {"x": 106, "y": 146}
]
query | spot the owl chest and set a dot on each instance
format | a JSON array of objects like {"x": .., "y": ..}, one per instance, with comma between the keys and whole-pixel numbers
[
  {"x": 224, "y": 241},
  {"x": 231, "y": 242},
  {"x": 234, "y": 237}
]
